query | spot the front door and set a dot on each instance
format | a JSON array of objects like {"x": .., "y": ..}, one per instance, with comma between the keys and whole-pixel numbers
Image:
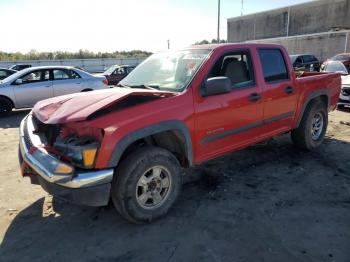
[
  {"x": 228, "y": 121},
  {"x": 35, "y": 86}
]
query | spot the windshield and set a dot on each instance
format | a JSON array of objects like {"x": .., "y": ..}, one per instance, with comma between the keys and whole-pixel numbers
[
  {"x": 167, "y": 71},
  {"x": 335, "y": 67},
  {"x": 15, "y": 75},
  {"x": 110, "y": 70},
  {"x": 340, "y": 57}
]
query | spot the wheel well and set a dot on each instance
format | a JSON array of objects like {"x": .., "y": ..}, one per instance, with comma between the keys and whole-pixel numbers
[
  {"x": 171, "y": 140},
  {"x": 9, "y": 99},
  {"x": 323, "y": 98}
]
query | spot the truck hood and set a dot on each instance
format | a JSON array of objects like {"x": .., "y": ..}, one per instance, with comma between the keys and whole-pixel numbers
[{"x": 79, "y": 106}]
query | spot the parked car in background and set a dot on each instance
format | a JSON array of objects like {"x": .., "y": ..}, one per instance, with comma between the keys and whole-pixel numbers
[
  {"x": 116, "y": 73},
  {"x": 339, "y": 67},
  {"x": 305, "y": 62},
  {"x": 20, "y": 67},
  {"x": 28, "y": 86},
  {"x": 343, "y": 58},
  {"x": 5, "y": 72}
]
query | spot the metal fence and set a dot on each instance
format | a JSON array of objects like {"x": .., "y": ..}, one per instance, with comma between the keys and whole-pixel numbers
[{"x": 90, "y": 65}]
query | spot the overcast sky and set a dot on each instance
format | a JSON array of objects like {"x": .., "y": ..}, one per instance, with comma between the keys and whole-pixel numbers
[{"x": 110, "y": 25}]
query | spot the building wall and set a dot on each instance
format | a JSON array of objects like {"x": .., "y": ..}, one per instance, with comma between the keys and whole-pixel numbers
[
  {"x": 308, "y": 18},
  {"x": 90, "y": 65},
  {"x": 323, "y": 45}
]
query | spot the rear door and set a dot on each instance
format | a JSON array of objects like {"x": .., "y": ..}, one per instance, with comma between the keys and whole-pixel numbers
[
  {"x": 66, "y": 81},
  {"x": 35, "y": 86},
  {"x": 279, "y": 89}
]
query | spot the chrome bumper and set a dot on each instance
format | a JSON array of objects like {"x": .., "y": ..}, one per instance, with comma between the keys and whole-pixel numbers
[{"x": 79, "y": 179}]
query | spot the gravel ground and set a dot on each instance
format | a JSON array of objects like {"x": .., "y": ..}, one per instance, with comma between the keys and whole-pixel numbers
[{"x": 269, "y": 202}]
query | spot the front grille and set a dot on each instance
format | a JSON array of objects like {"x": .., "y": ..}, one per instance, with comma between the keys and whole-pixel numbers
[
  {"x": 346, "y": 92},
  {"x": 47, "y": 131}
]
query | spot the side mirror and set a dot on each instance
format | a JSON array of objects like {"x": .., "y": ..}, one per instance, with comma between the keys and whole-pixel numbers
[
  {"x": 217, "y": 85},
  {"x": 19, "y": 81}
]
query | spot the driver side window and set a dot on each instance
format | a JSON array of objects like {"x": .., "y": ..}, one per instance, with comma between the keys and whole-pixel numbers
[
  {"x": 237, "y": 66},
  {"x": 36, "y": 76}
]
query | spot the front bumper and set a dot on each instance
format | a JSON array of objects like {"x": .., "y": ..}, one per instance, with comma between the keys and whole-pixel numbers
[{"x": 82, "y": 187}]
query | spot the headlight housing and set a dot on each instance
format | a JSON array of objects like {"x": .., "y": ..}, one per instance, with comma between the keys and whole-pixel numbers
[{"x": 81, "y": 151}]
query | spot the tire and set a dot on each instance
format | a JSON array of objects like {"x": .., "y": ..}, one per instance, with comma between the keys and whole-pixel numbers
[
  {"x": 86, "y": 90},
  {"x": 142, "y": 173},
  {"x": 5, "y": 107},
  {"x": 310, "y": 133}
]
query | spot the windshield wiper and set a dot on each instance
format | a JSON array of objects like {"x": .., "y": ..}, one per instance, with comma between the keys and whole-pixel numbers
[
  {"x": 152, "y": 87},
  {"x": 121, "y": 85}
]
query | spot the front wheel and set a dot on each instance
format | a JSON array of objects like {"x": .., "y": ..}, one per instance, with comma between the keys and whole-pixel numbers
[
  {"x": 313, "y": 126},
  {"x": 146, "y": 184},
  {"x": 5, "y": 107}
]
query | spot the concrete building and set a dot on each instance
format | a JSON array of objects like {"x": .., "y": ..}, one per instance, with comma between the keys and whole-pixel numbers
[{"x": 319, "y": 27}]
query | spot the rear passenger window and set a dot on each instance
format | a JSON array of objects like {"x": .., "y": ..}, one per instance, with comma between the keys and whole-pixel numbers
[
  {"x": 273, "y": 64},
  {"x": 237, "y": 66}
]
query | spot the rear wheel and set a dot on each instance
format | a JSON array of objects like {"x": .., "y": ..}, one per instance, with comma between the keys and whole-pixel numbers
[
  {"x": 313, "y": 126},
  {"x": 146, "y": 184},
  {"x": 5, "y": 107}
]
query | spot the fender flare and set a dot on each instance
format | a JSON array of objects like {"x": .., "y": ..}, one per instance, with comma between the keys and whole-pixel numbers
[
  {"x": 127, "y": 140},
  {"x": 311, "y": 96}
]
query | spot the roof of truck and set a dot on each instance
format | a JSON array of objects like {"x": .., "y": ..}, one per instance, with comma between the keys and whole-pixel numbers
[{"x": 232, "y": 45}]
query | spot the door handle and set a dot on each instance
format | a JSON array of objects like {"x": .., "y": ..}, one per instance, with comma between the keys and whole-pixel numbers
[
  {"x": 78, "y": 83},
  {"x": 289, "y": 90},
  {"x": 254, "y": 97},
  {"x": 47, "y": 86}
]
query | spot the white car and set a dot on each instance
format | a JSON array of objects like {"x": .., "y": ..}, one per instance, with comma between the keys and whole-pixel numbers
[
  {"x": 339, "y": 67},
  {"x": 28, "y": 86}
]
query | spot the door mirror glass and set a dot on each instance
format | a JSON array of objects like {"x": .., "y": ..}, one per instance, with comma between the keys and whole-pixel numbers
[
  {"x": 19, "y": 81},
  {"x": 217, "y": 85}
]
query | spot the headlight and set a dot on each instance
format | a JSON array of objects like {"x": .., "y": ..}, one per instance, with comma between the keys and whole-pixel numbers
[
  {"x": 53, "y": 165},
  {"x": 82, "y": 151}
]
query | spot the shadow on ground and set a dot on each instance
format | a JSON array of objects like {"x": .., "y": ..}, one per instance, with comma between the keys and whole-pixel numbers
[
  {"x": 269, "y": 202},
  {"x": 14, "y": 119}
]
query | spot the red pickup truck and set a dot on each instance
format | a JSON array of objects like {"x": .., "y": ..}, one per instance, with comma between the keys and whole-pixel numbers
[{"x": 175, "y": 110}]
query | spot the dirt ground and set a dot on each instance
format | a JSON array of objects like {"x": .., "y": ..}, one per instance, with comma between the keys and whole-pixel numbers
[{"x": 269, "y": 202}]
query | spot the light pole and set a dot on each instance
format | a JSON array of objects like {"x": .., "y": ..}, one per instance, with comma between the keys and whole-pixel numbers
[{"x": 218, "y": 21}]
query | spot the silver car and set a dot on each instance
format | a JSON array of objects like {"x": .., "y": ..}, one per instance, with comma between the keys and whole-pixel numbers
[
  {"x": 28, "y": 86},
  {"x": 339, "y": 67}
]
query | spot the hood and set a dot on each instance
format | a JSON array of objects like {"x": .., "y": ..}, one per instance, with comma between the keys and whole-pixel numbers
[{"x": 79, "y": 106}]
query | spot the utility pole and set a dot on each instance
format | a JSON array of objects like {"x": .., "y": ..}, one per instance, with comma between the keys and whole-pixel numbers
[
  {"x": 218, "y": 21},
  {"x": 168, "y": 43}
]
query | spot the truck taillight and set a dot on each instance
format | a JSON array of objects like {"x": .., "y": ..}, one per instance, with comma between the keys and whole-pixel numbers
[{"x": 105, "y": 81}]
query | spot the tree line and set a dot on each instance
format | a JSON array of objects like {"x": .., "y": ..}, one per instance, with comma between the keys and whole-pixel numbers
[
  {"x": 81, "y": 54},
  {"x": 213, "y": 41}
]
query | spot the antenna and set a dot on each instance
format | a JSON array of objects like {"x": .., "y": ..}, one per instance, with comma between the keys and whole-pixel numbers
[
  {"x": 218, "y": 21},
  {"x": 241, "y": 7}
]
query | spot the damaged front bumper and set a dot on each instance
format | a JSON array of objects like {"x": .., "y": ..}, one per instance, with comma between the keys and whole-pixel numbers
[{"x": 82, "y": 187}]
